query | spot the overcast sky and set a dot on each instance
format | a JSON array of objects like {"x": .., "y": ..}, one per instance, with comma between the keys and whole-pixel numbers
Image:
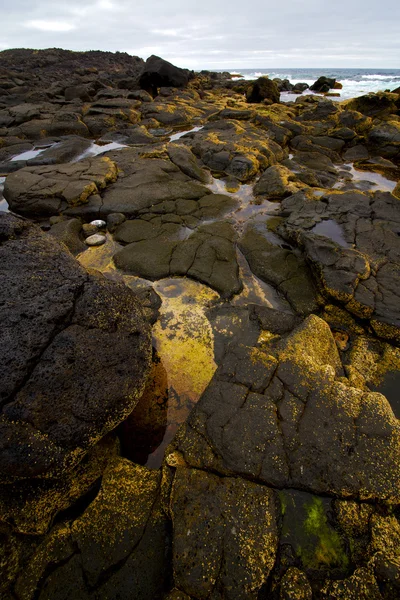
[{"x": 214, "y": 34}]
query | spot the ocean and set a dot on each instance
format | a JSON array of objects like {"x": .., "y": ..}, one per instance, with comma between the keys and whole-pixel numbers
[{"x": 356, "y": 82}]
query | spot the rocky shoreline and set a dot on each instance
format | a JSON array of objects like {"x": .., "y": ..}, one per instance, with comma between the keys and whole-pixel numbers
[{"x": 260, "y": 242}]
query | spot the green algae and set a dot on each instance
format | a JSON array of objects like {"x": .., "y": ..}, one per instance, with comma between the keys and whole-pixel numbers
[{"x": 306, "y": 527}]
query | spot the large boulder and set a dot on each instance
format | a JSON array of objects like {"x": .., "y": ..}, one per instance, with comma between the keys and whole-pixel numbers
[
  {"x": 158, "y": 73},
  {"x": 75, "y": 350},
  {"x": 323, "y": 84},
  {"x": 263, "y": 89}
]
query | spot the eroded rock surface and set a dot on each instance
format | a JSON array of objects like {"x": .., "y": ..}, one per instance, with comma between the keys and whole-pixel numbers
[{"x": 66, "y": 335}]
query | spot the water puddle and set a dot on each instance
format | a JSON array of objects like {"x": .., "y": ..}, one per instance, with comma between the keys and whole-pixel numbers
[
  {"x": 249, "y": 209},
  {"x": 177, "y": 136},
  {"x": 184, "y": 363},
  {"x": 184, "y": 342},
  {"x": 307, "y": 529},
  {"x": 390, "y": 387},
  {"x": 96, "y": 149},
  {"x": 28, "y": 154},
  {"x": 3, "y": 202},
  {"x": 256, "y": 291},
  {"x": 330, "y": 229},
  {"x": 366, "y": 180},
  {"x": 101, "y": 257}
]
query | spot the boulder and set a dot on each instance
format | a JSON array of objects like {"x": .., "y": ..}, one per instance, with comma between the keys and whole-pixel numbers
[
  {"x": 323, "y": 84},
  {"x": 72, "y": 334},
  {"x": 262, "y": 89},
  {"x": 158, "y": 72}
]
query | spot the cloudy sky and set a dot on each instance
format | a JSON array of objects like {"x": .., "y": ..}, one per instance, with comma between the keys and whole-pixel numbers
[{"x": 214, "y": 33}]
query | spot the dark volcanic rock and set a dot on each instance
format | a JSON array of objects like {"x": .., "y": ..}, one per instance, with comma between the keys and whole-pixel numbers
[
  {"x": 285, "y": 416},
  {"x": 365, "y": 277},
  {"x": 218, "y": 514},
  {"x": 263, "y": 89},
  {"x": 51, "y": 190},
  {"x": 117, "y": 548},
  {"x": 158, "y": 72},
  {"x": 323, "y": 84},
  {"x": 67, "y": 379}
]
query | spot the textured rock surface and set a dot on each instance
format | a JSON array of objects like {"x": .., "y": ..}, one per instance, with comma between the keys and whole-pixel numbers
[
  {"x": 50, "y": 190},
  {"x": 66, "y": 335},
  {"x": 288, "y": 418}
]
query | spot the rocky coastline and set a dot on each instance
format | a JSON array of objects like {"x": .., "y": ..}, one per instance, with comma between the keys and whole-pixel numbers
[{"x": 200, "y": 334}]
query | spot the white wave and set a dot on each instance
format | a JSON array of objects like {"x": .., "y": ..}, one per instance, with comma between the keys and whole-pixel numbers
[{"x": 384, "y": 77}]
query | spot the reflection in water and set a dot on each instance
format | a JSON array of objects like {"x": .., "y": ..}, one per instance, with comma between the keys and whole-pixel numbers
[
  {"x": 28, "y": 155},
  {"x": 250, "y": 207},
  {"x": 184, "y": 341},
  {"x": 389, "y": 387},
  {"x": 3, "y": 202},
  {"x": 256, "y": 291},
  {"x": 180, "y": 134},
  {"x": 332, "y": 230},
  {"x": 142, "y": 433},
  {"x": 96, "y": 149},
  {"x": 306, "y": 528},
  {"x": 367, "y": 180},
  {"x": 100, "y": 257}
]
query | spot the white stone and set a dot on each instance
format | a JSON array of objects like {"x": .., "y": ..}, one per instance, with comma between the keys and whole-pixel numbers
[
  {"x": 98, "y": 223},
  {"x": 95, "y": 240}
]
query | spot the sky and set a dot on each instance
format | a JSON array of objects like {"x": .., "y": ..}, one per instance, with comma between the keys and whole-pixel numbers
[{"x": 214, "y": 34}]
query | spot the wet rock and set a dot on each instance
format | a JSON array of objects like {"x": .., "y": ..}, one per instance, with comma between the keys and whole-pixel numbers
[
  {"x": 362, "y": 584},
  {"x": 62, "y": 152},
  {"x": 304, "y": 427},
  {"x": 225, "y": 535},
  {"x": 208, "y": 255},
  {"x": 262, "y": 89},
  {"x": 299, "y": 88},
  {"x": 380, "y": 104},
  {"x": 183, "y": 158},
  {"x": 95, "y": 240},
  {"x": 364, "y": 278},
  {"x": 218, "y": 146},
  {"x": 358, "y": 152},
  {"x": 69, "y": 329},
  {"x": 385, "y": 139},
  {"x": 150, "y": 182},
  {"x": 281, "y": 268},
  {"x": 277, "y": 182},
  {"x": 50, "y": 190},
  {"x": 274, "y": 320},
  {"x": 114, "y": 220},
  {"x": 68, "y": 232},
  {"x": 323, "y": 84},
  {"x": 89, "y": 229},
  {"x": 31, "y": 505}
]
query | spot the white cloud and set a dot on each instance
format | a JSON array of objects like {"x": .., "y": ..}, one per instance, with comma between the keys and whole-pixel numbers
[{"x": 53, "y": 26}]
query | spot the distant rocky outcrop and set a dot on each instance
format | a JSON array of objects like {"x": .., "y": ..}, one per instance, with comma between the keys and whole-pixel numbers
[
  {"x": 158, "y": 72},
  {"x": 263, "y": 89}
]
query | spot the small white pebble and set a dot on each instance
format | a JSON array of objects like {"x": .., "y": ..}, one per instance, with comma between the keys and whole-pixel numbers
[
  {"x": 95, "y": 240},
  {"x": 98, "y": 223}
]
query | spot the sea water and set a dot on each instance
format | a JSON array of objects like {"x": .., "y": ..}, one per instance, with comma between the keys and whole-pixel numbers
[{"x": 356, "y": 82}]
